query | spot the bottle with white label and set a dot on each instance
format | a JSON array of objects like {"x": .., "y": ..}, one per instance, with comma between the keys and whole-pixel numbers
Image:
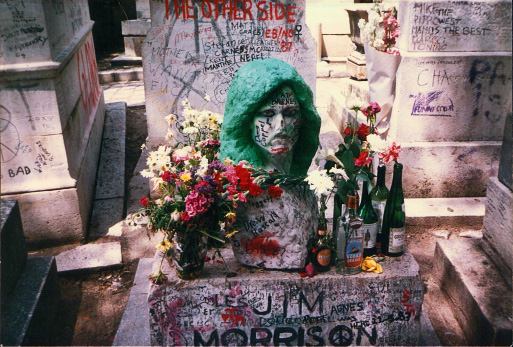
[
  {"x": 379, "y": 196},
  {"x": 394, "y": 217},
  {"x": 350, "y": 240},
  {"x": 370, "y": 221}
]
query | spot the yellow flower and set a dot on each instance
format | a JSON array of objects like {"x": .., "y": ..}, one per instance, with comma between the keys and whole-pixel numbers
[
  {"x": 370, "y": 265},
  {"x": 231, "y": 233},
  {"x": 164, "y": 246},
  {"x": 185, "y": 176},
  {"x": 230, "y": 215}
]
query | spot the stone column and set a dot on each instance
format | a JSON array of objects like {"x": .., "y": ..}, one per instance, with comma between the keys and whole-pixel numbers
[
  {"x": 134, "y": 30},
  {"x": 453, "y": 92},
  {"x": 51, "y": 114}
]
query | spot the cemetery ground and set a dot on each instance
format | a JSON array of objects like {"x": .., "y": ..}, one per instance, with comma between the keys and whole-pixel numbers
[{"x": 93, "y": 302}]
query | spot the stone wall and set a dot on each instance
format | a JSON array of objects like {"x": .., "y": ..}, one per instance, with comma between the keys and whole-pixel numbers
[
  {"x": 52, "y": 111},
  {"x": 193, "y": 49}
]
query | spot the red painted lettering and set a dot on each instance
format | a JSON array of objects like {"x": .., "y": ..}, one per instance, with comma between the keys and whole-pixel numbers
[
  {"x": 279, "y": 15},
  {"x": 203, "y": 9},
  {"x": 291, "y": 14},
  {"x": 261, "y": 8}
]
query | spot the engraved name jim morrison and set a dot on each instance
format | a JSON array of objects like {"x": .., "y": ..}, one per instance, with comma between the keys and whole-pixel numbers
[{"x": 270, "y": 119}]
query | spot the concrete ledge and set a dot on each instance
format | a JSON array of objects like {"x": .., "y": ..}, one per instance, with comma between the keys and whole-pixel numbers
[
  {"x": 28, "y": 316},
  {"x": 124, "y": 60},
  {"x": 449, "y": 212},
  {"x": 90, "y": 257},
  {"x": 121, "y": 75},
  {"x": 134, "y": 328},
  {"x": 481, "y": 300}
]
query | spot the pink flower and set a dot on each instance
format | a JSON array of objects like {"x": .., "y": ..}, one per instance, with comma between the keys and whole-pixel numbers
[
  {"x": 372, "y": 109},
  {"x": 242, "y": 197},
  {"x": 196, "y": 204},
  {"x": 232, "y": 189},
  {"x": 231, "y": 175},
  {"x": 168, "y": 198},
  {"x": 391, "y": 153},
  {"x": 181, "y": 154}
]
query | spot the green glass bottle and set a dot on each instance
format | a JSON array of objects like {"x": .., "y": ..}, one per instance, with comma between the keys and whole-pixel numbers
[
  {"x": 394, "y": 218},
  {"x": 379, "y": 196},
  {"x": 370, "y": 221},
  {"x": 350, "y": 239}
]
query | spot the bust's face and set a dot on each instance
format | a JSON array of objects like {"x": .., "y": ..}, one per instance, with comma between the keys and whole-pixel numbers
[{"x": 276, "y": 123}]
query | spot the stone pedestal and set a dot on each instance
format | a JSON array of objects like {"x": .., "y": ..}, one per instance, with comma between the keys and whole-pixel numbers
[
  {"x": 356, "y": 66},
  {"x": 51, "y": 114},
  {"x": 273, "y": 308}
]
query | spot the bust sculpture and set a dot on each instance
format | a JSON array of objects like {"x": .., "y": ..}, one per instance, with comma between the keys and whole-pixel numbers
[{"x": 270, "y": 121}]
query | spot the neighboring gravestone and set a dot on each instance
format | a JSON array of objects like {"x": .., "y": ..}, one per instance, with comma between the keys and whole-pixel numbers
[
  {"x": 51, "y": 115},
  {"x": 273, "y": 232},
  {"x": 14, "y": 251},
  {"x": 450, "y": 107},
  {"x": 195, "y": 48},
  {"x": 273, "y": 308},
  {"x": 498, "y": 221}
]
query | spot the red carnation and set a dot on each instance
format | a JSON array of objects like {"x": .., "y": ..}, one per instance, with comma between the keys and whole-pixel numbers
[
  {"x": 144, "y": 201},
  {"x": 274, "y": 191},
  {"x": 363, "y": 132},
  {"x": 255, "y": 190}
]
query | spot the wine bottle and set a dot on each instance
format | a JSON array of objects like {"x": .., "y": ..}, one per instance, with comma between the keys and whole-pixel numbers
[
  {"x": 350, "y": 239},
  {"x": 370, "y": 221},
  {"x": 379, "y": 195},
  {"x": 323, "y": 257},
  {"x": 394, "y": 217}
]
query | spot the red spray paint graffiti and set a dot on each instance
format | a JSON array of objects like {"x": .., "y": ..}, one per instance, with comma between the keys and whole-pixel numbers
[{"x": 88, "y": 77}]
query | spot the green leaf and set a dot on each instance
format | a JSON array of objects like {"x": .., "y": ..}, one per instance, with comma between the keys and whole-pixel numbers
[
  {"x": 362, "y": 177},
  {"x": 348, "y": 139},
  {"x": 348, "y": 161},
  {"x": 355, "y": 148}
]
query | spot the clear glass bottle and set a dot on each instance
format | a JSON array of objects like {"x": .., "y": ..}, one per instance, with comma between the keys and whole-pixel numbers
[
  {"x": 370, "y": 221},
  {"x": 350, "y": 239},
  {"x": 379, "y": 195},
  {"x": 394, "y": 217}
]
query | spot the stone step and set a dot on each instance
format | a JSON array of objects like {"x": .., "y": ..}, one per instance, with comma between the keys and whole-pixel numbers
[
  {"x": 90, "y": 257},
  {"x": 119, "y": 74},
  {"x": 332, "y": 69},
  {"x": 481, "y": 300}
]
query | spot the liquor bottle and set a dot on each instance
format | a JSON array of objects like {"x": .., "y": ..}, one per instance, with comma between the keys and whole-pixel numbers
[
  {"x": 322, "y": 256},
  {"x": 394, "y": 218},
  {"x": 379, "y": 195},
  {"x": 350, "y": 239},
  {"x": 370, "y": 221}
]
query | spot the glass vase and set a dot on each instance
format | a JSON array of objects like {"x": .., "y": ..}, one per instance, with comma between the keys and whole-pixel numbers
[{"x": 188, "y": 254}]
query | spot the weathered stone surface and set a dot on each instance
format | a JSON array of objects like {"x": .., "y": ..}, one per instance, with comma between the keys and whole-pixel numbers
[
  {"x": 451, "y": 97},
  {"x": 135, "y": 27},
  {"x": 134, "y": 328},
  {"x": 195, "y": 50},
  {"x": 90, "y": 257},
  {"x": 357, "y": 71},
  {"x": 133, "y": 46},
  {"x": 14, "y": 250},
  {"x": 482, "y": 300},
  {"x": 50, "y": 217},
  {"x": 506, "y": 162},
  {"x": 448, "y": 169},
  {"x": 273, "y": 232},
  {"x": 111, "y": 173},
  {"x": 452, "y": 26},
  {"x": 29, "y": 314},
  {"x": 498, "y": 226},
  {"x": 106, "y": 213},
  {"x": 269, "y": 307}
]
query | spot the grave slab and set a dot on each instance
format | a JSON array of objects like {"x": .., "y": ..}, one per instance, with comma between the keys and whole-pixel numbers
[
  {"x": 14, "y": 250},
  {"x": 452, "y": 26},
  {"x": 482, "y": 301},
  {"x": 135, "y": 27},
  {"x": 451, "y": 97},
  {"x": 134, "y": 328},
  {"x": 29, "y": 314},
  {"x": 194, "y": 50},
  {"x": 273, "y": 308},
  {"x": 90, "y": 257},
  {"x": 106, "y": 214},
  {"x": 498, "y": 226}
]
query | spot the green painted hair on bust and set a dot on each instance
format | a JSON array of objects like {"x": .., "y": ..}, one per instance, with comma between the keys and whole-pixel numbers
[{"x": 253, "y": 85}]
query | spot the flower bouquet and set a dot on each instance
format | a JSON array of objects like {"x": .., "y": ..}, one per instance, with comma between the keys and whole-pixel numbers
[
  {"x": 379, "y": 36},
  {"x": 197, "y": 194}
]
